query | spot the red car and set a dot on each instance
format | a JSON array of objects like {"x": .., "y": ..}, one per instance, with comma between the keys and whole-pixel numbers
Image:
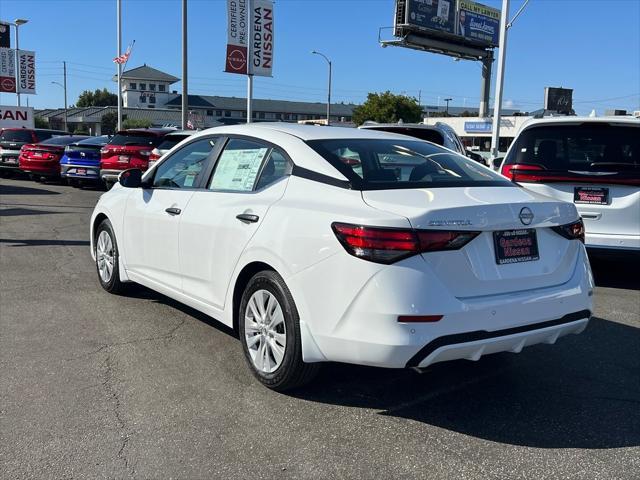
[
  {"x": 129, "y": 149},
  {"x": 43, "y": 159}
]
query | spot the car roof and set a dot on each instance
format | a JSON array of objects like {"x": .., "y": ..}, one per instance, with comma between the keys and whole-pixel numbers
[
  {"x": 181, "y": 133},
  {"x": 572, "y": 120},
  {"x": 156, "y": 131},
  {"x": 420, "y": 126},
  {"x": 303, "y": 132}
]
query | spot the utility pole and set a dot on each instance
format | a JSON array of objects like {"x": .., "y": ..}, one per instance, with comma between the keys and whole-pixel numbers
[
  {"x": 185, "y": 89},
  {"x": 497, "y": 108},
  {"x": 16, "y": 24},
  {"x": 119, "y": 33},
  {"x": 64, "y": 69},
  {"x": 485, "y": 86},
  {"x": 448, "y": 100}
]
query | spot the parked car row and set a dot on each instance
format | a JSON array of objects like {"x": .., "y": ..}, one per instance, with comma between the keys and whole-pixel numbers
[{"x": 56, "y": 154}]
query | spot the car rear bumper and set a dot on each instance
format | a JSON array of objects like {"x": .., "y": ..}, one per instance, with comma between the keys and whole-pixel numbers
[
  {"x": 369, "y": 332},
  {"x": 9, "y": 160},
  {"x": 110, "y": 175},
  {"x": 70, "y": 170},
  {"x": 49, "y": 169},
  {"x": 612, "y": 242}
]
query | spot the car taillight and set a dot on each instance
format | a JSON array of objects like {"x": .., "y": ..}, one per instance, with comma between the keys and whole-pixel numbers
[
  {"x": 104, "y": 151},
  {"x": 155, "y": 155},
  {"x": 144, "y": 153},
  {"x": 571, "y": 231},
  {"x": 521, "y": 172},
  {"x": 388, "y": 245}
]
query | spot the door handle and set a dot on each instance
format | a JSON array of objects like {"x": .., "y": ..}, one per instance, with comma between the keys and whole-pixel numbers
[
  {"x": 173, "y": 211},
  {"x": 247, "y": 217}
]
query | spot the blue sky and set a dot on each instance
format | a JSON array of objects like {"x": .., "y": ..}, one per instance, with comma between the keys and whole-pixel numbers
[{"x": 592, "y": 46}]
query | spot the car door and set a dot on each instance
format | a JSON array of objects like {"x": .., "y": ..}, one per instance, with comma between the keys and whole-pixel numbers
[
  {"x": 248, "y": 177},
  {"x": 154, "y": 213}
]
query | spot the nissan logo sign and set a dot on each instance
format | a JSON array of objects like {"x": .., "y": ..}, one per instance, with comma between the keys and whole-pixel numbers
[{"x": 526, "y": 216}]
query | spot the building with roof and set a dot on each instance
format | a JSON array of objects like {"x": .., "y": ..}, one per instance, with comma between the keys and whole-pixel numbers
[{"x": 146, "y": 87}]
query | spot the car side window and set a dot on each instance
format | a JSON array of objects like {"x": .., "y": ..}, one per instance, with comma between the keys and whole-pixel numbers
[
  {"x": 276, "y": 167},
  {"x": 184, "y": 168},
  {"x": 238, "y": 166}
]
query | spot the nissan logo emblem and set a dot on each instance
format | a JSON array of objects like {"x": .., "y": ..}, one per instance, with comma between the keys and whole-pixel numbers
[{"x": 526, "y": 216}]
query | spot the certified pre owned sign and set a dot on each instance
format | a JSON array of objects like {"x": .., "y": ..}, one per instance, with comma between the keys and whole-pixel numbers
[{"x": 526, "y": 216}]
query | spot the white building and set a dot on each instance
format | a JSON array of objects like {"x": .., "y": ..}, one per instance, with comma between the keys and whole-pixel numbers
[{"x": 146, "y": 87}]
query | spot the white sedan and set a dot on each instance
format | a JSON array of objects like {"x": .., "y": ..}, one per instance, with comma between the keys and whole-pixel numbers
[{"x": 334, "y": 244}]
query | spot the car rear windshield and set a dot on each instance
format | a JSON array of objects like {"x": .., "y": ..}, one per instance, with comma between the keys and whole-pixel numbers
[
  {"x": 22, "y": 136},
  {"x": 428, "y": 134},
  {"x": 64, "y": 140},
  {"x": 599, "y": 147},
  {"x": 135, "y": 139},
  {"x": 379, "y": 164},
  {"x": 171, "y": 141}
]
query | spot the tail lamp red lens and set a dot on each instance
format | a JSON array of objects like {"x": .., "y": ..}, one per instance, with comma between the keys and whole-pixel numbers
[
  {"x": 419, "y": 318},
  {"x": 388, "y": 245},
  {"x": 522, "y": 172},
  {"x": 571, "y": 231}
]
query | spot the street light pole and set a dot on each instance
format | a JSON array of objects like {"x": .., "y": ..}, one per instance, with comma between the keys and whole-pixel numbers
[
  {"x": 497, "y": 107},
  {"x": 329, "y": 86},
  {"x": 16, "y": 24},
  {"x": 185, "y": 92},
  {"x": 447, "y": 100}
]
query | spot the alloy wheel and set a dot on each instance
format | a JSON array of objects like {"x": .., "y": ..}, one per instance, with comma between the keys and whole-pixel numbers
[
  {"x": 265, "y": 332},
  {"x": 105, "y": 256}
]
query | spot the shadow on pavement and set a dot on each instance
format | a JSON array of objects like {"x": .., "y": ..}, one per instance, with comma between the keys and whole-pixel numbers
[
  {"x": 19, "y": 190},
  {"x": 39, "y": 243},
  {"x": 583, "y": 392},
  {"x": 616, "y": 271}
]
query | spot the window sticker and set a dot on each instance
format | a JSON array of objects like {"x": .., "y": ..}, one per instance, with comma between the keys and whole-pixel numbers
[{"x": 238, "y": 169}]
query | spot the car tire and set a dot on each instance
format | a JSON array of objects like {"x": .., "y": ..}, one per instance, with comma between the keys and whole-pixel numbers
[
  {"x": 72, "y": 182},
  {"x": 273, "y": 353},
  {"x": 107, "y": 258}
]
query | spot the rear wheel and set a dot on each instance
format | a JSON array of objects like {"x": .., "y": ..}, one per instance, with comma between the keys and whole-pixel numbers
[
  {"x": 270, "y": 334},
  {"x": 107, "y": 258}
]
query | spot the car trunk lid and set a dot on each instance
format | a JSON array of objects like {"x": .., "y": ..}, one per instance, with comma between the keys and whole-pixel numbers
[{"x": 474, "y": 270}]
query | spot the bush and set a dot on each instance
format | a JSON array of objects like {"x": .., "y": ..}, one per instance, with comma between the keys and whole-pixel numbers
[{"x": 136, "y": 123}]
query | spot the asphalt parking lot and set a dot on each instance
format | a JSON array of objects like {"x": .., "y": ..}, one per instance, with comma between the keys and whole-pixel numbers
[{"x": 99, "y": 386}]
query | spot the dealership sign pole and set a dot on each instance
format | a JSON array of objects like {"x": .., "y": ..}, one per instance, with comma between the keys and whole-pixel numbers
[{"x": 250, "y": 43}]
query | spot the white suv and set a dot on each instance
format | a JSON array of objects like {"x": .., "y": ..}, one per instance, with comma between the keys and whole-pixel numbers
[{"x": 591, "y": 162}]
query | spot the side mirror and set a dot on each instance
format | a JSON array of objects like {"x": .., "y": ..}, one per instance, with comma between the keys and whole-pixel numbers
[
  {"x": 131, "y": 178},
  {"x": 497, "y": 162}
]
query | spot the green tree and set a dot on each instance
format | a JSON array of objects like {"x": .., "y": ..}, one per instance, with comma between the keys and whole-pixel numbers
[
  {"x": 136, "y": 123},
  {"x": 40, "y": 122},
  {"x": 388, "y": 108},
  {"x": 97, "y": 98},
  {"x": 109, "y": 123}
]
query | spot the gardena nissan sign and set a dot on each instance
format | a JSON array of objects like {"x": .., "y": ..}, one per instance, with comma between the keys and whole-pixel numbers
[{"x": 250, "y": 37}]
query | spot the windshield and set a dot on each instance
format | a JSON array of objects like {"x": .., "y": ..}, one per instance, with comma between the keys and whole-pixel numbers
[
  {"x": 377, "y": 164},
  {"x": 171, "y": 141},
  {"x": 99, "y": 141},
  {"x": 135, "y": 138},
  {"x": 23, "y": 136},
  {"x": 582, "y": 148}
]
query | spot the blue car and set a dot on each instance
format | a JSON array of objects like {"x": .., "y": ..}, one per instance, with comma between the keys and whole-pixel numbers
[{"x": 81, "y": 160}]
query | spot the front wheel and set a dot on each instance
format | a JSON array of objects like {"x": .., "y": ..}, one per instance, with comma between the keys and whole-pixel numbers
[
  {"x": 107, "y": 258},
  {"x": 270, "y": 334}
]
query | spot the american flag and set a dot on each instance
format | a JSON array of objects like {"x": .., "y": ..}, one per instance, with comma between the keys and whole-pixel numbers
[
  {"x": 124, "y": 57},
  {"x": 190, "y": 125}
]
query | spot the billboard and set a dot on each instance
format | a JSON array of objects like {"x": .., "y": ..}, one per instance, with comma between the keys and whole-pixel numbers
[
  {"x": 5, "y": 35},
  {"x": 478, "y": 23},
  {"x": 460, "y": 22},
  {"x": 558, "y": 99},
  {"x": 435, "y": 15},
  {"x": 16, "y": 117},
  {"x": 27, "y": 72},
  {"x": 250, "y": 37},
  {"x": 7, "y": 70}
]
